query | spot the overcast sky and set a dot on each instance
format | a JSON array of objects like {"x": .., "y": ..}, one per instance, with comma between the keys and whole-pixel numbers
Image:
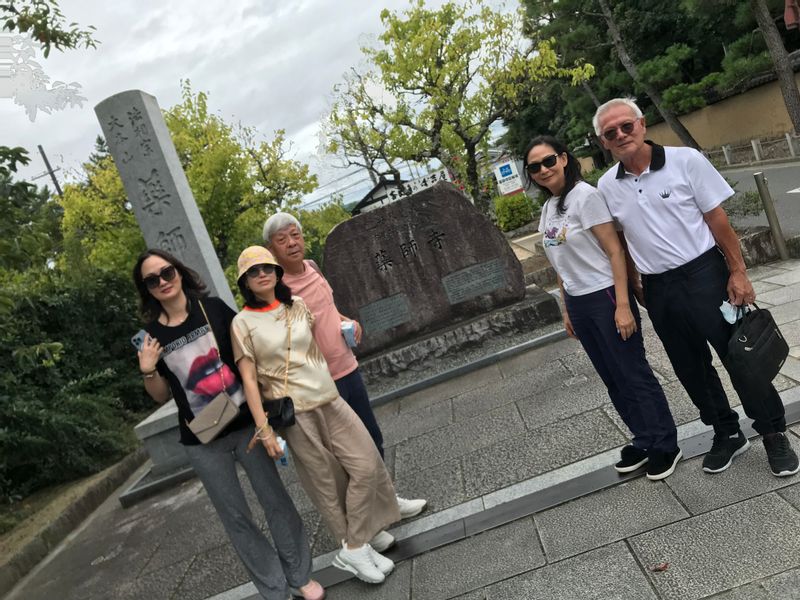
[{"x": 267, "y": 64}]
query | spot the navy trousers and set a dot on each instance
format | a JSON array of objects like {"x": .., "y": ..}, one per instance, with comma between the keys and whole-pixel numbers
[
  {"x": 352, "y": 389},
  {"x": 683, "y": 304},
  {"x": 622, "y": 365}
]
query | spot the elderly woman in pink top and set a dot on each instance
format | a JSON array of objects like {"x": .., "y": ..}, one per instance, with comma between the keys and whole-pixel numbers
[{"x": 283, "y": 235}]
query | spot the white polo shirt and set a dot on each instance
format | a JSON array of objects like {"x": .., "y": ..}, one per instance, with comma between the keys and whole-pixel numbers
[
  {"x": 569, "y": 243},
  {"x": 661, "y": 210}
]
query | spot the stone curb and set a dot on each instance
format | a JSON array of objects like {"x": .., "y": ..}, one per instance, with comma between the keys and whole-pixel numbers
[{"x": 25, "y": 559}]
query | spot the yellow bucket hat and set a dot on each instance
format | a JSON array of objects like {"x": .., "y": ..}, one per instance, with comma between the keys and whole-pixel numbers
[{"x": 256, "y": 255}]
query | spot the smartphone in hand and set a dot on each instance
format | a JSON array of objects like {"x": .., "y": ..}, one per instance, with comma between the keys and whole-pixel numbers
[{"x": 138, "y": 339}]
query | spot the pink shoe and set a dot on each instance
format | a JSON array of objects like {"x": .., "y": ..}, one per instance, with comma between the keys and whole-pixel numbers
[{"x": 311, "y": 591}]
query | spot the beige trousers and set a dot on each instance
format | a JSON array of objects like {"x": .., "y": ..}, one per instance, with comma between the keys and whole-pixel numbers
[{"x": 342, "y": 472}]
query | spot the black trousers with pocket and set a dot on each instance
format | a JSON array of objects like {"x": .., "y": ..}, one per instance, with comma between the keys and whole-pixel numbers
[{"x": 683, "y": 304}]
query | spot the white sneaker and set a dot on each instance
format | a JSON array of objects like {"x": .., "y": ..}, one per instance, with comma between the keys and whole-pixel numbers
[
  {"x": 359, "y": 562},
  {"x": 386, "y": 565},
  {"x": 382, "y": 541},
  {"x": 410, "y": 508}
]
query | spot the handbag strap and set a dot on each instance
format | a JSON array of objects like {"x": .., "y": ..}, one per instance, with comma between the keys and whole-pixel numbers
[
  {"x": 214, "y": 340},
  {"x": 288, "y": 351}
]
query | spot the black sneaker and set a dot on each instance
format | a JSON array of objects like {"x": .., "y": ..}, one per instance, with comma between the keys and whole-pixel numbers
[
  {"x": 631, "y": 458},
  {"x": 723, "y": 450},
  {"x": 782, "y": 458},
  {"x": 661, "y": 464}
]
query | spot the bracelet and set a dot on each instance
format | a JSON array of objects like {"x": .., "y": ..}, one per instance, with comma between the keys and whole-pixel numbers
[{"x": 150, "y": 374}]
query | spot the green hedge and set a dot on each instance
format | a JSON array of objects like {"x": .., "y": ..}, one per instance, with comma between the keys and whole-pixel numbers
[
  {"x": 69, "y": 390},
  {"x": 513, "y": 211}
]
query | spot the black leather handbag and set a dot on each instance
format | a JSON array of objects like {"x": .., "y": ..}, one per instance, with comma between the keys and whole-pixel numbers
[
  {"x": 280, "y": 412},
  {"x": 756, "y": 351}
]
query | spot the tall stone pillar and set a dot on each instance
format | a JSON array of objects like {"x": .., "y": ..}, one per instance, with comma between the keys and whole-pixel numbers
[{"x": 156, "y": 185}]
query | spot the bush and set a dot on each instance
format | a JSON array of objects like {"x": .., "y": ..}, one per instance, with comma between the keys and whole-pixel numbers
[
  {"x": 513, "y": 211},
  {"x": 70, "y": 388}
]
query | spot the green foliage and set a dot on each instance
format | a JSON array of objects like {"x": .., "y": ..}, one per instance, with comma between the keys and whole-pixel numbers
[
  {"x": 45, "y": 23},
  {"x": 235, "y": 179},
  {"x": 317, "y": 224},
  {"x": 691, "y": 51},
  {"x": 513, "y": 211},
  {"x": 435, "y": 85},
  {"x": 743, "y": 204},
  {"x": 70, "y": 390},
  {"x": 593, "y": 176}
]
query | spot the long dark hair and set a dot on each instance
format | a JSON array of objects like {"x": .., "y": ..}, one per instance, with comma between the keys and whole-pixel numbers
[
  {"x": 572, "y": 171},
  {"x": 282, "y": 291},
  {"x": 193, "y": 286}
]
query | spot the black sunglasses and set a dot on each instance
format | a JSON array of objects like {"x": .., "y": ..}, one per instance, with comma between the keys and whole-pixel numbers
[
  {"x": 167, "y": 274},
  {"x": 626, "y": 128},
  {"x": 255, "y": 270},
  {"x": 547, "y": 161}
]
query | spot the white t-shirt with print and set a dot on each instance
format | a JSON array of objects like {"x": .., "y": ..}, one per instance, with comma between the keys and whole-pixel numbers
[
  {"x": 661, "y": 210},
  {"x": 569, "y": 244}
]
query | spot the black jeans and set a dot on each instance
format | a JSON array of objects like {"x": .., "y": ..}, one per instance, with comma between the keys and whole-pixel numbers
[
  {"x": 622, "y": 365},
  {"x": 352, "y": 389},
  {"x": 683, "y": 304}
]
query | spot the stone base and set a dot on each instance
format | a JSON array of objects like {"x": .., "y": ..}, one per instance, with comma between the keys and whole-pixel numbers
[
  {"x": 536, "y": 310},
  {"x": 152, "y": 483}
]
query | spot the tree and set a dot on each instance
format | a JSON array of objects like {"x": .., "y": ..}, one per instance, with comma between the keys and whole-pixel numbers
[
  {"x": 780, "y": 58},
  {"x": 690, "y": 51},
  {"x": 449, "y": 75},
  {"x": 630, "y": 66},
  {"x": 235, "y": 179},
  {"x": 45, "y": 22}
]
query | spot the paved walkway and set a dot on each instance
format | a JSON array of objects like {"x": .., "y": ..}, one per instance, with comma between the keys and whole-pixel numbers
[{"x": 535, "y": 423}]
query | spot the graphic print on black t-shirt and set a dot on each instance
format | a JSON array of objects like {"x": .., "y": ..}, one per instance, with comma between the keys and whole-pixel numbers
[{"x": 195, "y": 362}]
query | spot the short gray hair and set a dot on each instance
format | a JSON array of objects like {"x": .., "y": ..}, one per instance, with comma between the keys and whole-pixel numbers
[
  {"x": 603, "y": 108},
  {"x": 278, "y": 221}
]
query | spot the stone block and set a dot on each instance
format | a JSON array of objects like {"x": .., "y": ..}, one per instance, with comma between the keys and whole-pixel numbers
[
  {"x": 784, "y": 586},
  {"x": 784, "y": 295},
  {"x": 441, "y": 485},
  {"x": 217, "y": 570},
  {"x": 410, "y": 424},
  {"x": 526, "y": 316},
  {"x": 608, "y": 573},
  {"x": 722, "y": 549},
  {"x": 748, "y": 476},
  {"x": 538, "y": 451},
  {"x": 535, "y": 382},
  {"x": 458, "y": 439},
  {"x": 396, "y": 587},
  {"x": 542, "y": 407},
  {"x": 606, "y": 516},
  {"x": 413, "y": 253},
  {"x": 477, "y": 561}
]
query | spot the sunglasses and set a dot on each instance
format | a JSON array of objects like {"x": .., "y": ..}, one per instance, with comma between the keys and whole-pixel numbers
[
  {"x": 626, "y": 128},
  {"x": 547, "y": 161},
  {"x": 255, "y": 270},
  {"x": 167, "y": 274}
]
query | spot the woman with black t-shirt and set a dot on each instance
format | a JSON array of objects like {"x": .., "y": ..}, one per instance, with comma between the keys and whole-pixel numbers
[{"x": 189, "y": 357}]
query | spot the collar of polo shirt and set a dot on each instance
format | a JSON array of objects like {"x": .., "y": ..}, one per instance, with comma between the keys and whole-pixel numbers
[{"x": 657, "y": 160}]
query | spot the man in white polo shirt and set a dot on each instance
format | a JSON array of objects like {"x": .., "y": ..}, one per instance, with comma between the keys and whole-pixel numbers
[{"x": 668, "y": 202}]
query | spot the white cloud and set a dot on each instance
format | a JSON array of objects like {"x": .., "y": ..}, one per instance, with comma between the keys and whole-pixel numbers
[{"x": 267, "y": 64}]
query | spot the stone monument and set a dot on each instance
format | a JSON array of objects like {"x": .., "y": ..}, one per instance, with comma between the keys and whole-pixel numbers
[
  {"x": 418, "y": 264},
  {"x": 168, "y": 216},
  {"x": 156, "y": 185}
]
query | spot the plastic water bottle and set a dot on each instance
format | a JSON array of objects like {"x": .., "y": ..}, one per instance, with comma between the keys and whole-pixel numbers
[{"x": 283, "y": 460}]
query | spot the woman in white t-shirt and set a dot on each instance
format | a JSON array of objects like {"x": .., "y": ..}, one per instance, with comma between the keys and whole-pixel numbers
[{"x": 599, "y": 309}]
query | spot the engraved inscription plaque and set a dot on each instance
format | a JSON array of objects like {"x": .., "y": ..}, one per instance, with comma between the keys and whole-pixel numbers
[
  {"x": 475, "y": 280},
  {"x": 385, "y": 313}
]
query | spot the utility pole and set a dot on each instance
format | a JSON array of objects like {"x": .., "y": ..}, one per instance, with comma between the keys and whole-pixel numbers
[{"x": 50, "y": 170}]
